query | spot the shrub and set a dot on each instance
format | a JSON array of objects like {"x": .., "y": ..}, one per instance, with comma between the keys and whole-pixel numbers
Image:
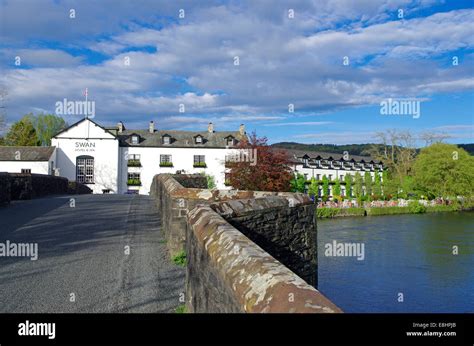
[
  {"x": 416, "y": 208},
  {"x": 180, "y": 259},
  {"x": 166, "y": 164}
]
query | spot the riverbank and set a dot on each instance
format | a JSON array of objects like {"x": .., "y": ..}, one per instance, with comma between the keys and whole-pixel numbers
[{"x": 327, "y": 212}]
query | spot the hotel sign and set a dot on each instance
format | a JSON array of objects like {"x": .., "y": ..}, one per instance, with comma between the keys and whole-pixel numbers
[{"x": 84, "y": 146}]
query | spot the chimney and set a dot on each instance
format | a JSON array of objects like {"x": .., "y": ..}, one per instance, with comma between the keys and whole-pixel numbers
[
  {"x": 210, "y": 128},
  {"x": 151, "y": 127},
  {"x": 120, "y": 127},
  {"x": 242, "y": 129}
]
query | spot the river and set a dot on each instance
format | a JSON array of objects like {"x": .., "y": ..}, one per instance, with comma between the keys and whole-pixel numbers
[{"x": 408, "y": 263}]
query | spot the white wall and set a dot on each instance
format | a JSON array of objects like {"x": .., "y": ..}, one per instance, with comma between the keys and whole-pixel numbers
[
  {"x": 38, "y": 167},
  {"x": 89, "y": 139},
  {"x": 182, "y": 158}
]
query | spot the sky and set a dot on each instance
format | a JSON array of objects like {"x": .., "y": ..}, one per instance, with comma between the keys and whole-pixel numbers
[{"x": 298, "y": 71}]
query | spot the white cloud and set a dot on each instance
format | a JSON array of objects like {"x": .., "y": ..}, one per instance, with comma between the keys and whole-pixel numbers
[{"x": 282, "y": 61}]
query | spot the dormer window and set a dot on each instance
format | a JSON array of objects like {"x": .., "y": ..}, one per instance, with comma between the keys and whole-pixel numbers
[
  {"x": 198, "y": 139},
  {"x": 166, "y": 139},
  {"x": 229, "y": 141},
  {"x": 134, "y": 139}
]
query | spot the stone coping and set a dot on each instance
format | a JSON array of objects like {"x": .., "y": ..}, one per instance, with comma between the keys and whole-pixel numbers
[
  {"x": 179, "y": 191},
  {"x": 258, "y": 281}
]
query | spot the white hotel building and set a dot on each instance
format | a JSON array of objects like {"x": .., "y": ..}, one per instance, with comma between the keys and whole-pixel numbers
[{"x": 117, "y": 160}]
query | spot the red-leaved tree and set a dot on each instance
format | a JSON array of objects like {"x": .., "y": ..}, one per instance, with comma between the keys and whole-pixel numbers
[{"x": 269, "y": 170}]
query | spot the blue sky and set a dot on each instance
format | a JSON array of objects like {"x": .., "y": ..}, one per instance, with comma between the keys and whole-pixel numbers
[{"x": 283, "y": 60}]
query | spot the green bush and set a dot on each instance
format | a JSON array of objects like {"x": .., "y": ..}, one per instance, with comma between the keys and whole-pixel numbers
[
  {"x": 166, "y": 164},
  {"x": 416, "y": 208},
  {"x": 326, "y": 212},
  {"x": 333, "y": 212},
  {"x": 180, "y": 259},
  {"x": 134, "y": 182},
  {"x": 388, "y": 210},
  {"x": 181, "y": 309},
  {"x": 442, "y": 208}
]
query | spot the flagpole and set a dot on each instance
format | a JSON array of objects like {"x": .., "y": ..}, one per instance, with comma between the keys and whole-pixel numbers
[{"x": 86, "y": 116}]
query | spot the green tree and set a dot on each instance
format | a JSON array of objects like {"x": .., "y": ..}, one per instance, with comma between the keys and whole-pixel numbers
[
  {"x": 348, "y": 181},
  {"x": 358, "y": 183},
  {"x": 337, "y": 188},
  {"x": 444, "y": 170},
  {"x": 368, "y": 183},
  {"x": 46, "y": 126},
  {"x": 377, "y": 189},
  {"x": 313, "y": 187},
  {"x": 325, "y": 188},
  {"x": 298, "y": 183},
  {"x": 22, "y": 133}
]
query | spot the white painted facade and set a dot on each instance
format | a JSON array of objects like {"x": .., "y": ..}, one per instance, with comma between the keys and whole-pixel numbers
[
  {"x": 110, "y": 159},
  {"x": 36, "y": 167},
  {"x": 36, "y": 160},
  {"x": 89, "y": 139}
]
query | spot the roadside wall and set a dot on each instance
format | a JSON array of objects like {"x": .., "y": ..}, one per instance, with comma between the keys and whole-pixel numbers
[
  {"x": 174, "y": 200},
  {"x": 247, "y": 251},
  {"x": 21, "y": 186},
  {"x": 228, "y": 272},
  {"x": 283, "y": 227}
]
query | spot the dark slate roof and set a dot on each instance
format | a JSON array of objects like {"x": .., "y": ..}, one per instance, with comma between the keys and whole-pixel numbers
[
  {"x": 179, "y": 139},
  {"x": 314, "y": 154},
  {"x": 26, "y": 153}
]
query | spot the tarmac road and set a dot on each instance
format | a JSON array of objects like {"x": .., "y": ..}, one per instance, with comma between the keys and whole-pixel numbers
[{"x": 82, "y": 264}]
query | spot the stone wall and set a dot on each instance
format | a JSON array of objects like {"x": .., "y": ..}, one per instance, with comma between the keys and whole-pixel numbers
[
  {"x": 247, "y": 251},
  {"x": 5, "y": 186},
  {"x": 174, "y": 201},
  {"x": 228, "y": 272},
  {"x": 194, "y": 181},
  {"x": 78, "y": 189},
  {"x": 283, "y": 227},
  {"x": 21, "y": 186}
]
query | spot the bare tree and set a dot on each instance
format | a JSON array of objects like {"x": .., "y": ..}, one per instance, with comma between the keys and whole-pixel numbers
[
  {"x": 433, "y": 137},
  {"x": 397, "y": 151}
]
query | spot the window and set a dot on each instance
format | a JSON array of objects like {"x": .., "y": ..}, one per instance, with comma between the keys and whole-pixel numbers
[
  {"x": 133, "y": 179},
  {"x": 318, "y": 176},
  {"x": 133, "y": 175},
  {"x": 26, "y": 170},
  {"x": 305, "y": 161},
  {"x": 85, "y": 169},
  {"x": 165, "y": 158},
  {"x": 230, "y": 141},
  {"x": 199, "y": 161},
  {"x": 341, "y": 177},
  {"x": 330, "y": 177},
  {"x": 134, "y": 139},
  {"x": 166, "y": 140},
  {"x": 134, "y": 160},
  {"x": 306, "y": 176},
  {"x": 198, "y": 140},
  {"x": 165, "y": 161}
]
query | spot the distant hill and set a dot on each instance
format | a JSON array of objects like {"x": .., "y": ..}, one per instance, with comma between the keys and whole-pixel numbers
[
  {"x": 353, "y": 149},
  {"x": 468, "y": 147}
]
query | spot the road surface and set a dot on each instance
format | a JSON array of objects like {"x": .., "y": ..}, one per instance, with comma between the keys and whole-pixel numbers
[{"x": 83, "y": 260}]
